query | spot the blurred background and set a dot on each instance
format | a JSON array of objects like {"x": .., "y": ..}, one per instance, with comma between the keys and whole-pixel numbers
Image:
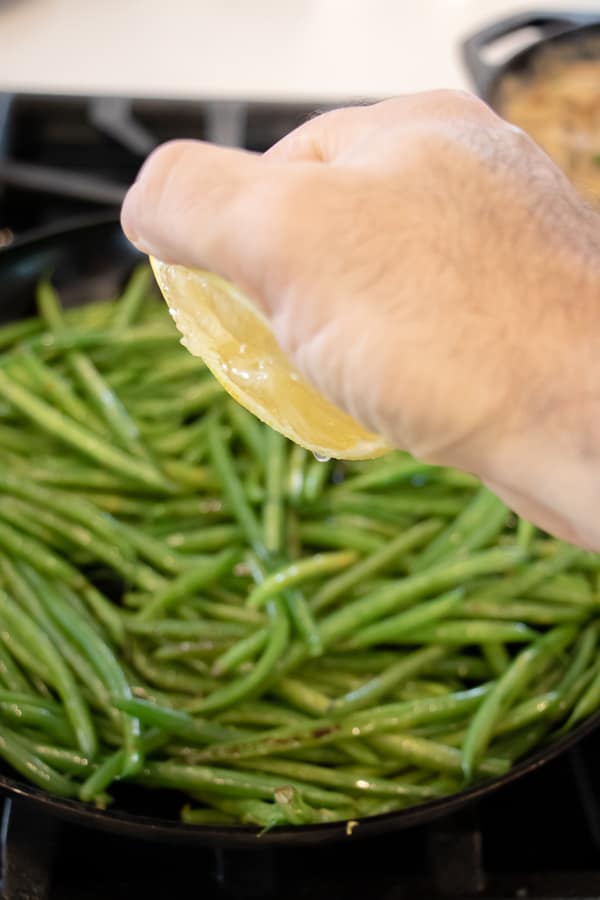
[{"x": 253, "y": 49}]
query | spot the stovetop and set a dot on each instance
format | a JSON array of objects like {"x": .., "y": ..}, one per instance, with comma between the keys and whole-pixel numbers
[
  {"x": 537, "y": 839},
  {"x": 63, "y": 158}
]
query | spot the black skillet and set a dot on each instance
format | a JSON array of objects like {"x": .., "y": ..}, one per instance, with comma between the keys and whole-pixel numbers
[
  {"x": 579, "y": 31},
  {"x": 89, "y": 261}
]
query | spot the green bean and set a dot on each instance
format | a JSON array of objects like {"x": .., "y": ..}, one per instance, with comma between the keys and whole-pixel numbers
[
  {"x": 387, "y": 631},
  {"x": 385, "y": 474},
  {"x": 75, "y": 435},
  {"x": 37, "y": 670},
  {"x": 479, "y": 521},
  {"x": 434, "y": 755},
  {"x": 408, "y": 590},
  {"x": 191, "y": 401},
  {"x": 22, "y": 582},
  {"x": 173, "y": 722},
  {"x": 139, "y": 338},
  {"x": 214, "y": 537},
  {"x": 383, "y": 683},
  {"x": 301, "y": 696},
  {"x": 338, "y": 537},
  {"x": 113, "y": 766},
  {"x": 102, "y": 659},
  {"x": 315, "y": 478},
  {"x": 298, "y": 457},
  {"x": 26, "y": 710},
  {"x": 133, "y": 297},
  {"x": 37, "y": 642},
  {"x": 246, "y": 685},
  {"x": 151, "y": 550},
  {"x": 515, "y": 679},
  {"x": 465, "y": 631},
  {"x": 317, "y": 732},
  {"x": 391, "y": 509},
  {"x": 194, "y": 816},
  {"x": 497, "y": 656},
  {"x": 273, "y": 508},
  {"x": 525, "y": 534},
  {"x": 14, "y": 332},
  {"x": 227, "y": 612},
  {"x": 34, "y": 552},
  {"x": 58, "y": 390},
  {"x": 261, "y": 813},
  {"x": 246, "y": 427},
  {"x": 304, "y": 622},
  {"x": 245, "y": 649},
  {"x": 230, "y": 783},
  {"x": 98, "y": 392},
  {"x": 565, "y": 588},
  {"x": 17, "y": 755},
  {"x": 80, "y": 536},
  {"x": 203, "y": 573},
  {"x": 523, "y": 611},
  {"x": 177, "y": 629},
  {"x": 297, "y": 573},
  {"x": 233, "y": 490},
  {"x": 64, "y": 503},
  {"x": 537, "y": 572},
  {"x": 10, "y": 674},
  {"x": 527, "y": 712},
  {"x": 377, "y": 562},
  {"x": 306, "y": 772},
  {"x": 168, "y": 677},
  {"x": 69, "y": 762}
]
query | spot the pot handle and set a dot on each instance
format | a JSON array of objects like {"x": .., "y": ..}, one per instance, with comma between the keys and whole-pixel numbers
[{"x": 482, "y": 72}]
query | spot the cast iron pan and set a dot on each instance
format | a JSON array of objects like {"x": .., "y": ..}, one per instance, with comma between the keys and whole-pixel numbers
[
  {"x": 553, "y": 29},
  {"x": 89, "y": 261}
]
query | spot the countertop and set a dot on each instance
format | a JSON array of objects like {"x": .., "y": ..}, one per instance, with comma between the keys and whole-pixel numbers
[{"x": 252, "y": 49}]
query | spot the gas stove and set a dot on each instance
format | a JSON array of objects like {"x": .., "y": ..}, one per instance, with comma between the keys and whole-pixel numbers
[{"x": 63, "y": 158}]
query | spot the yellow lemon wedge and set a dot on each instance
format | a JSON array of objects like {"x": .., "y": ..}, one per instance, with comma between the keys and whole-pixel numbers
[{"x": 235, "y": 341}]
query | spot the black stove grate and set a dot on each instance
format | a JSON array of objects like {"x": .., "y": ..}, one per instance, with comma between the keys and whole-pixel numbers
[{"x": 62, "y": 156}]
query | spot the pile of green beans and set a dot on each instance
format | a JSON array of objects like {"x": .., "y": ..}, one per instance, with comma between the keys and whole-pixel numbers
[{"x": 188, "y": 602}]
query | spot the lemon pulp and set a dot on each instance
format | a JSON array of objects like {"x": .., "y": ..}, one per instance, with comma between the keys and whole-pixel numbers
[{"x": 236, "y": 342}]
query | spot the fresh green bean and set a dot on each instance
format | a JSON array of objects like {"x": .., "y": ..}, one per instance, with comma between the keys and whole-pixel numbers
[
  {"x": 377, "y": 562},
  {"x": 298, "y": 573},
  {"x": 479, "y": 521},
  {"x": 134, "y": 295},
  {"x": 75, "y": 435},
  {"x": 38, "y": 643},
  {"x": 233, "y": 490},
  {"x": 230, "y": 783},
  {"x": 387, "y": 680},
  {"x": 522, "y": 670},
  {"x": 203, "y": 573},
  {"x": 17, "y": 755},
  {"x": 102, "y": 659},
  {"x": 273, "y": 507},
  {"x": 246, "y": 685},
  {"x": 387, "y": 631},
  {"x": 304, "y": 622}
]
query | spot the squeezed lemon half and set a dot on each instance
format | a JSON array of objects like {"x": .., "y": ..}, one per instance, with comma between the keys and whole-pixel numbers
[{"x": 236, "y": 342}]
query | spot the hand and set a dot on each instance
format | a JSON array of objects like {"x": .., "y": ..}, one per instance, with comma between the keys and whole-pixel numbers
[{"x": 428, "y": 268}]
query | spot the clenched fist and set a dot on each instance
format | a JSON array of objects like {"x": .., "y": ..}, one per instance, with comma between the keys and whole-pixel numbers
[{"x": 429, "y": 269}]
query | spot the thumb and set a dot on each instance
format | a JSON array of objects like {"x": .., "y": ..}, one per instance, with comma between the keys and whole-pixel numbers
[{"x": 214, "y": 208}]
